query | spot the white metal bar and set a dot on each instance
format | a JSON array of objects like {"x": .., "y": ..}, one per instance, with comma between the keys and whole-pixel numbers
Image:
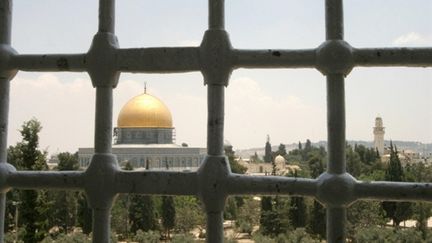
[
  {"x": 159, "y": 60},
  {"x": 336, "y": 224},
  {"x": 273, "y": 58},
  {"x": 157, "y": 183},
  {"x": 216, "y": 14},
  {"x": 334, "y": 19},
  {"x": 397, "y": 191},
  {"x": 5, "y": 76},
  {"x": 106, "y": 16},
  {"x": 384, "y": 57},
  {"x": 5, "y": 21},
  {"x": 103, "y": 120},
  {"x": 214, "y": 227},
  {"x": 70, "y": 180},
  {"x": 50, "y": 62},
  {"x": 336, "y": 123},
  {"x": 266, "y": 185},
  {"x": 101, "y": 225},
  {"x": 215, "y": 120}
]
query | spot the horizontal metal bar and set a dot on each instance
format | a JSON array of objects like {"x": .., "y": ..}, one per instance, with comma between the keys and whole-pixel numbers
[
  {"x": 273, "y": 58},
  {"x": 157, "y": 182},
  {"x": 159, "y": 60},
  {"x": 270, "y": 185},
  {"x": 393, "y": 191},
  {"x": 186, "y": 59},
  {"x": 67, "y": 180},
  {"x": 405, "y": 57},
  {"x": 50, "y": 62}
]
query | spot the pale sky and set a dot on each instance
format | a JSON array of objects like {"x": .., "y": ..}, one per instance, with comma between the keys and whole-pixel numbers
[{"x": 289, "y": 105}]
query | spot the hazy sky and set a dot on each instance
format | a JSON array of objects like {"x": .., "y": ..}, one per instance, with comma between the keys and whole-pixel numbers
[{"x": 289, "y": 105}]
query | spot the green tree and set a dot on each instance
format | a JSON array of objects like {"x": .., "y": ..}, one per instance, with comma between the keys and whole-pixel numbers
[
  {"x": 364, "y": 214},
  {"x": 230, "y": 210},
  {"x": 247, "y": 216},
  {"x": 120, "y": 217},
  {"x": 317, "y": 221},
  {"x": 266, "y": 219},
  {"x": 142, "y": 213},
  {"x": 268, "y": 151},
  {"x": 353, "y": 161},
  {"x": 26, "y": 155},
  {"x": 307, "y": 149},
  {"x": 120, "y": 211},
  {"x": 84, "y": 216},
  {"x": 67, "y": 161},
  {"x": 282, "y": 150},
  {"x": 397, "y": 211},
  {"x": 298, "y": 211},
  {"x": 189, "y": 214},
  {"x": 255, "y": 158},
  {"x": 64, "y": 203},
  {"x": 168, "y": 214},
  {"x": 234, "y": 164}
]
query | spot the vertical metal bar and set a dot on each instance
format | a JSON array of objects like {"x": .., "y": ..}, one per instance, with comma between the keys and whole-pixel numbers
[
  {"x": 334, "y": 19},
  {"x": 101, "y": 226},
  {"x": 336, "y": 123},
  {"x": 215, "y": 126},
  {"x": 217, "y": 14},
  {"x": 5, "y": 38},
  {"x": 103, "y": 120},
  {"x": 106, "y": 16},
  {"x": 336, "y": 228},
  {"x": 336, "y": 216},
  {"x": 2, "y": 215},
  {"x": 215, "y": 227},
  {"x": 5, "y": 21},
  {"x": 4, "y": 114}
]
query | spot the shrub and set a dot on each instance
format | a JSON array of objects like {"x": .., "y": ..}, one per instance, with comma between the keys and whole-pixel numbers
[{"x": 147, "y": 237}]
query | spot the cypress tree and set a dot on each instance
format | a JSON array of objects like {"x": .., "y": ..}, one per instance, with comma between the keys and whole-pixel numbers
[
  {"x": 317, "y": 221},
  {"x": 297, "y": 211},
  {"x": 142, "y": 213},
  {"x": 266, "y": 222},
  {"x": 168, "y": 214},
  {"x": 268, "y": 151},
  {"x": 84, "y": 216}
]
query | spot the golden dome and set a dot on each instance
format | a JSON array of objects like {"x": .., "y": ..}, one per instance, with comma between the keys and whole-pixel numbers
[{"x": 144, "y": 111}]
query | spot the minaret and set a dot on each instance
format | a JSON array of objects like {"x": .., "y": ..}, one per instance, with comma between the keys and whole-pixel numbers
[{"x": 379, "y": 136}]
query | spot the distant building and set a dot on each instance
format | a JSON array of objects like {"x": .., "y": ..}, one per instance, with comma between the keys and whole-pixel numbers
[
  {"x": 378, "y": 132},
  {"x": 282, "y": 168},
  {"x": 144, "y": 137}
]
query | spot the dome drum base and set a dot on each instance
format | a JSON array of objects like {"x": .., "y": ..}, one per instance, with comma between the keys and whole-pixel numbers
[{"x": 141, "y": 135}]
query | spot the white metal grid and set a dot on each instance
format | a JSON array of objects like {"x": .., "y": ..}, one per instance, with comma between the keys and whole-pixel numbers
[{"x": 216, "y": 59}]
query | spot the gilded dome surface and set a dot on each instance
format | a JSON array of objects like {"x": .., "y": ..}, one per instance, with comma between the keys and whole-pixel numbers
[{"x": 144, "y": 111}]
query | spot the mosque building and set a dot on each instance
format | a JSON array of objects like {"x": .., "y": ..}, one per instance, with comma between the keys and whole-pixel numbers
[{"x": 144, "y": 137}]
